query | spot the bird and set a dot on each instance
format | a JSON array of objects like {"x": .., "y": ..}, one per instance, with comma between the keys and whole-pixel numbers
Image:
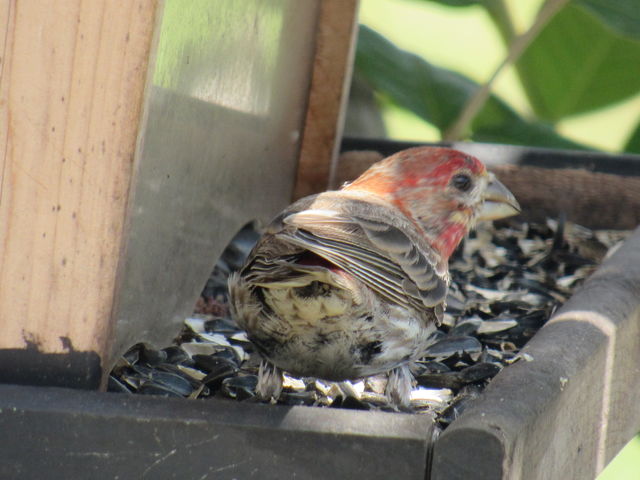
[{"x": 351, "y": 283}]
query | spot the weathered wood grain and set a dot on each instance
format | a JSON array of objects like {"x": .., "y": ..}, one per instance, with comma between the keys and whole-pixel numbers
[
  {"x": 331, "y": 76},
  {"x": 71, "y": 85}
]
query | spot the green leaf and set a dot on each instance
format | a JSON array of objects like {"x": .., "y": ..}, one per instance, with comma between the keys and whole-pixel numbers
[
  {"x": 498, "y": 123},
  {"x": 458, "y": 3},
  {"x": 621, "y": 15},
  {"x": 438, "y": 95},
  {"x": 576, "y": 65},
  {"x": 432, "y": 93},
  {"x": 633, "y": 144}
]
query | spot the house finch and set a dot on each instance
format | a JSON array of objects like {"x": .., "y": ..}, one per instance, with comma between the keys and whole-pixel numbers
[{"x": 351, "y": 283}]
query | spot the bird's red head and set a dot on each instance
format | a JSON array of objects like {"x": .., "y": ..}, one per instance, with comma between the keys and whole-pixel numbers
[{"x": 440, "y": 190}]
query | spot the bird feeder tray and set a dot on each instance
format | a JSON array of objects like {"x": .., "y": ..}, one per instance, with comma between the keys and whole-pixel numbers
[
  {"x": 564, "y": 414},
  {"x": 568, "y": 411},
  {"x": 113, "y": 138}
]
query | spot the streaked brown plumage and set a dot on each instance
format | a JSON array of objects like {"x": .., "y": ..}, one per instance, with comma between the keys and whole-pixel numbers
[{"x": 351, "y": 283}]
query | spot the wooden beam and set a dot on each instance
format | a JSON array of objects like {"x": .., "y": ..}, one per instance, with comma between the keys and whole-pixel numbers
[
  {"x": 71, "y": 92},
  {"x": 331, "y": 77}
]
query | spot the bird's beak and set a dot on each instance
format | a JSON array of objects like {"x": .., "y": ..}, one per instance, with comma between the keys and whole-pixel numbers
[{"x": 499, "y": 202}]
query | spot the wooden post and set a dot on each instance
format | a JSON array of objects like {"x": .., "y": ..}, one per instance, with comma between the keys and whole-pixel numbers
[
  {"x": 71, "y": 91},
  {"x": 136, "y": 138},
  {"x": 331, "y": 77}
]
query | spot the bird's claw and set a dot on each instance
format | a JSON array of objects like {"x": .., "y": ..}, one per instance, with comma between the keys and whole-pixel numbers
[{"x": 269, "y": 381}]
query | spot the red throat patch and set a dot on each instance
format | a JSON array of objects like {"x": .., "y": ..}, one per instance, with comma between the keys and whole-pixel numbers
[{"x": 450, "y": 238}]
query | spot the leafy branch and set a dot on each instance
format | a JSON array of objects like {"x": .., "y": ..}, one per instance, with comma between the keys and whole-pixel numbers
[
  {"x": 576, "y": 57},
  {"x": 516, "y": 49}
]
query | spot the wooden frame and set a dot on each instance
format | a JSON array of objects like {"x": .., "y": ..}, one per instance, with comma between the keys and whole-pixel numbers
[
  {"x": 112, "y": 144},
  {"x": 328, "y": 96},
  {"x": 70, "y": 99}
]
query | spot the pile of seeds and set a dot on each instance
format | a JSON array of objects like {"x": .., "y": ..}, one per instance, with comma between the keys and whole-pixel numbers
[{"x": 507, "y": 280}]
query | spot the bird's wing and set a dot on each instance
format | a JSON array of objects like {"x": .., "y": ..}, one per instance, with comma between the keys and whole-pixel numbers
[{"x": 378, "y": 253}]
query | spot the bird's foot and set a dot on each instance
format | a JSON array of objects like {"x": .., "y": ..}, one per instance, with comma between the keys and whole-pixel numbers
[
  {"x": 269, "y": 381},
  {"x": 398, "y": 389},
  {"x": 347, "y": 390}
]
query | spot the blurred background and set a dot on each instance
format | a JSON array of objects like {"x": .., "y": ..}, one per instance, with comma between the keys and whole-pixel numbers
[
  {"x": 574, "y": 82},
  {"x": 556, "y": 73}
]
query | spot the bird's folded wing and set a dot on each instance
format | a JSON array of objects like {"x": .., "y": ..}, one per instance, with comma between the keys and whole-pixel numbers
[
  {"x": 284, "y": 272},
  {"x": 379, "y": 254}
]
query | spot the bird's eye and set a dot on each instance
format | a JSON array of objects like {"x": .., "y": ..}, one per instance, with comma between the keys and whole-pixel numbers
[{"x": 462, "y": 182}]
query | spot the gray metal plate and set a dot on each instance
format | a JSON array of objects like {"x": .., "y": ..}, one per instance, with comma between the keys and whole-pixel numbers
[{"x": 225, "y": 107}]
